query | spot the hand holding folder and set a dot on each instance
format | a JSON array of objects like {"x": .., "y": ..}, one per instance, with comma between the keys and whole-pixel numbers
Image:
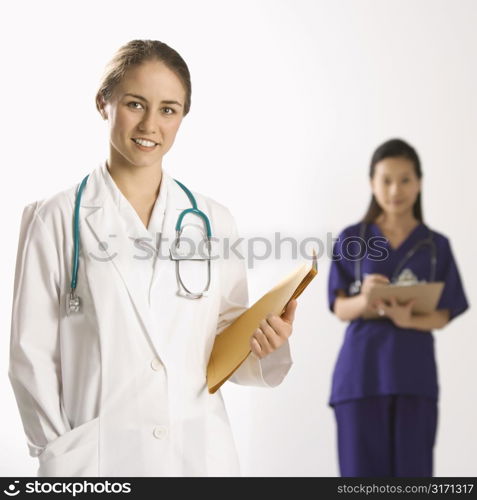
[
  {"x": 273, "y": 332},
  {"x": 232, "y": 345}
]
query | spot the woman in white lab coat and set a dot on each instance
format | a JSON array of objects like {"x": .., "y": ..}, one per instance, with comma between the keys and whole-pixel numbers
[{"x": 119, "y": 387}]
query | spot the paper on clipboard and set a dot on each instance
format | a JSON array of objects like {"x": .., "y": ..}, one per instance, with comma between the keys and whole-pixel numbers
[
  {"x": 427, "y": 296},
  {"x": 231, "y": 346}
]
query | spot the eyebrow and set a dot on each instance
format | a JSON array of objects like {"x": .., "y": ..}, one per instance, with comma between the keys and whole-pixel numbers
[{"x": 145, "y": 100}]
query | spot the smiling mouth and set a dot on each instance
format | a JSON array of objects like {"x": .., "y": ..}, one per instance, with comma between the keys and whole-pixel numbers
[{"x": 144, "y": 143}]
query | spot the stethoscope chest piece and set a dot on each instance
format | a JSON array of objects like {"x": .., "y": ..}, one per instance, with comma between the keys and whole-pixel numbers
[
  {"x": 73, "y": 303},
  {"x": 355, "y": 287}
]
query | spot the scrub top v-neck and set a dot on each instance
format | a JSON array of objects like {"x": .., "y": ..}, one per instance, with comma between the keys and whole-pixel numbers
[
  {"x": 405, "y": 243},
  {"x": 377, "y": 357}
]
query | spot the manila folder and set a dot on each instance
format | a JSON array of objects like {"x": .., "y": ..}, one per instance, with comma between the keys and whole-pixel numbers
[{"x": 231, "y": 346}]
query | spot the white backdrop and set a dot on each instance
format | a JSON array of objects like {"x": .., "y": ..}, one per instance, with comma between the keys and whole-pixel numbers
[{"x": 289, "y": 100}]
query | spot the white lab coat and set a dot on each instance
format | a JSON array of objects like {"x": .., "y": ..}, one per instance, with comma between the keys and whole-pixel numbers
[{"x": 119, "y": 389}]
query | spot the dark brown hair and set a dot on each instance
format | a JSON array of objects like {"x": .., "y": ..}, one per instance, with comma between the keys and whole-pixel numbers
[
  {"x": 394, "y": 148},
  {"x": 136, "y": 52}
]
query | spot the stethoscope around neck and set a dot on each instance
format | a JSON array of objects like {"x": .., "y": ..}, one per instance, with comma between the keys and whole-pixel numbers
[
  {"x": 355, "y": 287},
  {"x": 73, "y": 302},
  {"x": 174, "y": 250}
]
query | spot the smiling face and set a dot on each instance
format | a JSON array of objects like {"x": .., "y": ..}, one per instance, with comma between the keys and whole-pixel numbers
[
  {"x": 395, "y": 185},
  {"x": 147, "y": 105}
]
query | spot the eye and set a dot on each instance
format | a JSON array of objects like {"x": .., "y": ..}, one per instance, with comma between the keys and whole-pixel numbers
[
  {"x": 168, "y": 111},
  {"x": 405, "y": 180},
  {"x": 134, "y": 102},
  {"x": 387, "y": 181}
]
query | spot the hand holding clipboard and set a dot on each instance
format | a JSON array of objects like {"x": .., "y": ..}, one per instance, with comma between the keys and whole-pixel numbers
[{"x": 425, "y": 296}]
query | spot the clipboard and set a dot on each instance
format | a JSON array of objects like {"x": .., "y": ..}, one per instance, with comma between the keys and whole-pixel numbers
[
  {"x": 427, "y": 296},
  {"x": 231, "y": 346}
]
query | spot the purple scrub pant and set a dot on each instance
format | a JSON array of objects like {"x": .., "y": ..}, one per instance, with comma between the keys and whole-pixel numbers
[{"x": 386, "y": 436}]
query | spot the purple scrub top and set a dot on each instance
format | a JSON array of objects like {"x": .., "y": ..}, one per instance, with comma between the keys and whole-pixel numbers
[{"x": 377, "y": 357}]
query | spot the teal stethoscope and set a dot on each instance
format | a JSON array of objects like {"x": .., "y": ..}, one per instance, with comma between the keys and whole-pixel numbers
[{"x": 73, "y": 303}]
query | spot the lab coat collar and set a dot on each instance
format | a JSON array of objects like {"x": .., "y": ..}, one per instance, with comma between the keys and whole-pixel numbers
[
  {"x": 96, "y": 189},
  {"x": 135, "y": 226}
]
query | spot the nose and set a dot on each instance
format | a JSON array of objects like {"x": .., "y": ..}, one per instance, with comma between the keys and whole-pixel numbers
[
  {"x": 148, "y": 124},
  {"x": 394, "y": 188}
]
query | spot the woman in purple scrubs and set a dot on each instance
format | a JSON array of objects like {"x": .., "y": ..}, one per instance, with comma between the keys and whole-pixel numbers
[{"x": 384, "y": 389}]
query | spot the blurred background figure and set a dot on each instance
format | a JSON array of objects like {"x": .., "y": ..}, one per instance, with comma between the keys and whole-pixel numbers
[{"x": 384, "y": 389}]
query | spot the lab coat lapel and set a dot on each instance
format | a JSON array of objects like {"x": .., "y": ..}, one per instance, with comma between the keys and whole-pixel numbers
[
  {"x": 176, "y": 202},
  {"x": 115, "y": 248},
  {"x": 164, "y": 285}
]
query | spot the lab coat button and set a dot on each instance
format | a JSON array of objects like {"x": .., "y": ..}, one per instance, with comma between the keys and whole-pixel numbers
[
  {"x": 160, "y": 431},
  {"x": 156, "y": 364}
]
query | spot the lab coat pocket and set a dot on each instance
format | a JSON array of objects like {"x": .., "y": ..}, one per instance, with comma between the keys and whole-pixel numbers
[{"x": 73, "y": 454}]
